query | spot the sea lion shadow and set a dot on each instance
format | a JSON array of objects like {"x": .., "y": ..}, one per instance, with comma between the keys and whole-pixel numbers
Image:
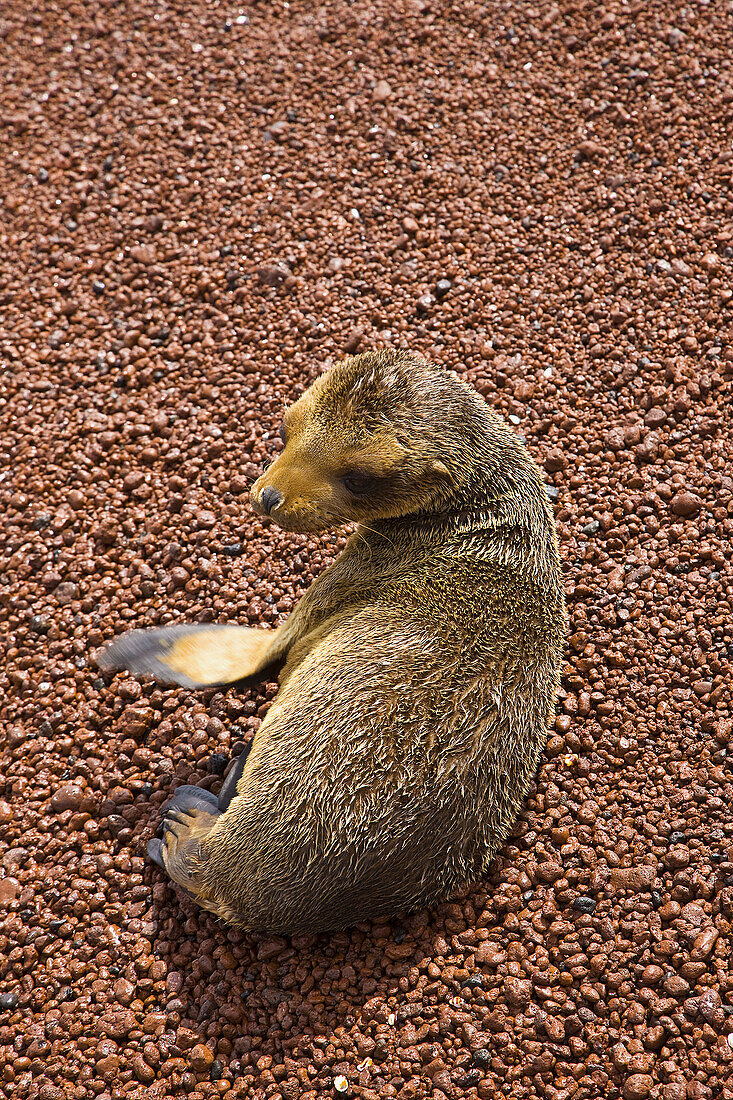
[
  {"x": 280, "y": 990},
  {"x": 277, "y": 996}
]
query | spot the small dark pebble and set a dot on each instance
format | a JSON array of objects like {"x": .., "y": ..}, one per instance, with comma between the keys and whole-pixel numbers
[
  {"x": 676, "y": 838},
  {"x": 98, "y": 286},
  {"x": 116, "y": 823},
  {"x": 474, "y": 982},
  {"x": 42, "y": 520},
  {"x": 232, "y": 549},
  {"x": 8, "y": 1001},
  {"x": 471, "y": 1079},
  {"x": 146, "y": 790},
  {"x": 656, "y": 898},
  {"x": 442, "y": 287},
  {"x": 590, "y": 528},
  {"x": 399, "y": 935},
  {"x": 216, "y": 1070},
  {"x": 42, "y": 175},
  {"x": 482, "y": 1057},
  {"x": 584, "y": 904},
  {"x": 38, "y": 624},
  {"x": 218, "y": 762}
]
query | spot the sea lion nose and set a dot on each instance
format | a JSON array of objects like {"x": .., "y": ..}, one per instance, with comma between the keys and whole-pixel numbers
[{"x": 271, "y": 499}]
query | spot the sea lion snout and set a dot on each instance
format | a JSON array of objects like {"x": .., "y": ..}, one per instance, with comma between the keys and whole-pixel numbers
[
  {"x": 264, "y": 498},
  {"x": 291, "y": 497}
]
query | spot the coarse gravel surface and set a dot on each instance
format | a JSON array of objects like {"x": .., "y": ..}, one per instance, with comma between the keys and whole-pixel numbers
[{"x": 201, "y": 205}]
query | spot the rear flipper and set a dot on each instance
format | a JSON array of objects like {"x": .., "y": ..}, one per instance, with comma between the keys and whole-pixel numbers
[
  {"x": 194, "y": 656},
  {"x": 182, "y": 850},
  {"x": 188, "y": 817},
  {"x": 229, "y": 786}
]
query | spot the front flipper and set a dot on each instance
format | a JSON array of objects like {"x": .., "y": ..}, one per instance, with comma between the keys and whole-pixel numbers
[{"x": 194, "y": 656}]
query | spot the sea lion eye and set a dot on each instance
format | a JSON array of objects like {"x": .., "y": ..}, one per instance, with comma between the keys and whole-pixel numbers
[{"x": 359, "y": 484}]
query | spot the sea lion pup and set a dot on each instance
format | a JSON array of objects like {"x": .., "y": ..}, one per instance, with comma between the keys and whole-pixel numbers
[{"x": 420, "y": 669}]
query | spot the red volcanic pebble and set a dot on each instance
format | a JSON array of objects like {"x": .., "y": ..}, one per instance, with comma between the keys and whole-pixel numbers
[{"x": 201, "y": 207}]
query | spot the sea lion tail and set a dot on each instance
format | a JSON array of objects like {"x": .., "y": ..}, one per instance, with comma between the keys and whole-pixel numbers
[{"x": 194, "y": 656}]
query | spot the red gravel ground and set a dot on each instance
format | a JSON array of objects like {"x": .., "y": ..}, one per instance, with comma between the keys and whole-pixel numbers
[{"x": 201, "y": 205}]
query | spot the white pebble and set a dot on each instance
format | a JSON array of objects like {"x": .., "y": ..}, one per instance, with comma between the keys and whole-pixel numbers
[
  {"x": 340, "y": 1084},
  {"x": 514, "y": 419}
]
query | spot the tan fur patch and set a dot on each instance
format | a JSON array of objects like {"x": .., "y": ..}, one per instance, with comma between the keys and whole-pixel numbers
[{"x": 219, "y": 658}]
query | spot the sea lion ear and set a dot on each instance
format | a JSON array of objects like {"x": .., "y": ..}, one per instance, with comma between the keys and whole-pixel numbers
[{"x": 440, "y": 468}]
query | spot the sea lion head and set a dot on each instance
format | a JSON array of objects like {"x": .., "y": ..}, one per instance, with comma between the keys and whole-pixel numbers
[{"x": 379, "y": 435}]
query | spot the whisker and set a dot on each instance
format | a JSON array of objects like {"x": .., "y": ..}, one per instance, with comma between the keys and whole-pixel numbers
[
  {"x": 366, "y": 527},
  {"x": 379, "y": 534}
]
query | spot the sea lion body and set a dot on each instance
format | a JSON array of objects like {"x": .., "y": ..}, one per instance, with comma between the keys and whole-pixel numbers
[{"x": 420, "y": 670}]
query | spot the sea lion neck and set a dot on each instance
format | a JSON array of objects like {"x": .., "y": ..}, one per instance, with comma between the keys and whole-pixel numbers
[
  {"x": 427, "y": 529},
  {"x": 434, "y": 526},
  {"x": 503, "y": 489}
]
